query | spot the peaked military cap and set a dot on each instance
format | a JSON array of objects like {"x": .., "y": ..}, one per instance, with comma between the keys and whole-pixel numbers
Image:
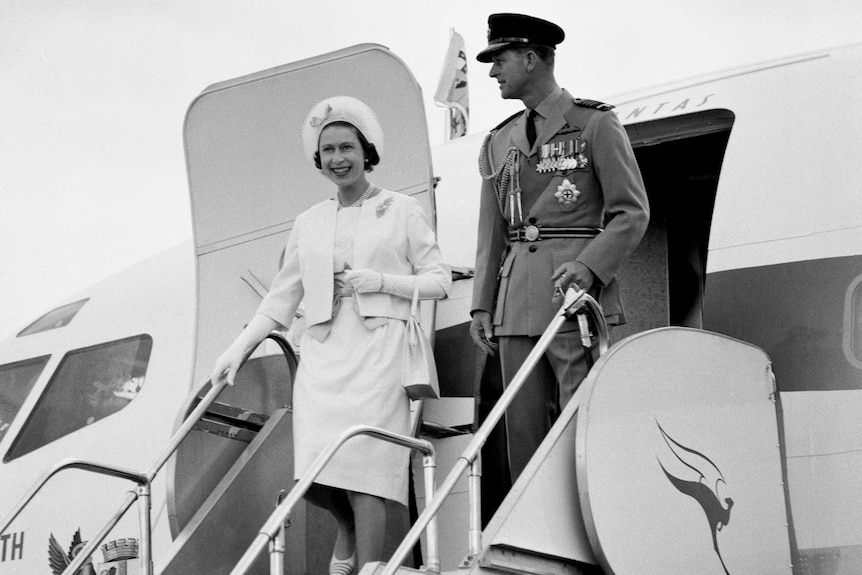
[{"x": 508, "y": 30}]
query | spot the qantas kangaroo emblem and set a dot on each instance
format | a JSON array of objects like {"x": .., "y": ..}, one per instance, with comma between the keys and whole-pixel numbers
[{"x": 705, "y": 490}]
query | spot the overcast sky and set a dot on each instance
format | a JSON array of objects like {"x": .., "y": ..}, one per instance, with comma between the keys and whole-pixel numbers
[{"x": 93, "y": 96}]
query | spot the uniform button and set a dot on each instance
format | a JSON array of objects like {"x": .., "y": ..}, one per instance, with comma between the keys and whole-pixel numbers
[
  {"x": 533, "y": 248},
  {"x": 533, "y": 220}
]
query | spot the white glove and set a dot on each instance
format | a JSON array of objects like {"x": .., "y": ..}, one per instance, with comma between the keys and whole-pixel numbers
[
  {"x": 364, "y": 281},
  {"x": 228, "y": 363}
]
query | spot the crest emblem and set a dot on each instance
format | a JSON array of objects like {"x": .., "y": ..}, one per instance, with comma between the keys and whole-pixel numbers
[{"x": 59, "y": 559}]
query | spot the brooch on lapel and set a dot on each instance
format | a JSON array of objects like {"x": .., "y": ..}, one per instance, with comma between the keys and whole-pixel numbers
[
  {"x": 384, "y": 205},
  {"x": 567, "y": 194},
  {"x": 565, "y": 155}
]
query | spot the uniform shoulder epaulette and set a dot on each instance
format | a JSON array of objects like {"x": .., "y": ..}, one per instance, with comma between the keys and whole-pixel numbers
[
  {"x": 594, "y": 104},
  {"x": 506, "y": 121}
]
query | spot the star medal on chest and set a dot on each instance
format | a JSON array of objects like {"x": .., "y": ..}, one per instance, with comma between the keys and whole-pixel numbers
[
  {"x": 563, "y": 155},
  {"x": 567, "y": 194}
]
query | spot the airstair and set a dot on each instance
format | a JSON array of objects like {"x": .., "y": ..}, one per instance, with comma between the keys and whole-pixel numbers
[
  {"x": 667, "y": 460},
  {"x": 646, "y": 470},
  {"x": 273, "y": 531}
]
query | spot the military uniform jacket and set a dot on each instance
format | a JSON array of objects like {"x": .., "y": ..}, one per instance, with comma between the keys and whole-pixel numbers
[{"x": 588, "y": 178}]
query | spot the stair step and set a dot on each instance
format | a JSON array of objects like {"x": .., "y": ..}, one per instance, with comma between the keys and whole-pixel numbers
[
  {"x": 505, "y": 559},
  {"x": 377, "y": 567}
]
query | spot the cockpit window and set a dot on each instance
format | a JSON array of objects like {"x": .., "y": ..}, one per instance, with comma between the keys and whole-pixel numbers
[
  {"x": 89, "y": 384},
  {"x": 16, "y": 381},
  {"x": 55, "y": 318}
]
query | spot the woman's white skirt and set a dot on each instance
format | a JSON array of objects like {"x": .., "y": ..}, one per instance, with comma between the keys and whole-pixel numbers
[{"x": 353, "y": 378}]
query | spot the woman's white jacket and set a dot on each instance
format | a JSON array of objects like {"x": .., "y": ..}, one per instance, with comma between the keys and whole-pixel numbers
[{"x": 392, "y": 236}]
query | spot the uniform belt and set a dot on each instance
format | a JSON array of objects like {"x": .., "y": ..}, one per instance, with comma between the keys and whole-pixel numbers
[{"x": 536, "y": 233}]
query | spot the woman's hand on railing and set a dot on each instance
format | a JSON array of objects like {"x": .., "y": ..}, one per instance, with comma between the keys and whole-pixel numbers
[
  {"x": 234, "y": 356},
  {"x": 228, "y": 364}
]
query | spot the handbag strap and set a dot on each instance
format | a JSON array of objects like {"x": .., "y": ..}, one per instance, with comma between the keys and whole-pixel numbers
[{"x": 414, "y": 305}]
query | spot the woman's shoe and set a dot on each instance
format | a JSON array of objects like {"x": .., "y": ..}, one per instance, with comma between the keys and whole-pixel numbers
[{"x": 342, "y": 566}]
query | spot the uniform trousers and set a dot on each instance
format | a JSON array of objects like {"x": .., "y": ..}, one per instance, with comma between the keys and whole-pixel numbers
[{"x": 548, "y": 389}]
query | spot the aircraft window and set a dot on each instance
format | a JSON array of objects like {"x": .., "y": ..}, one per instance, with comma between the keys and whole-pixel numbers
[
  {"x": 88, "y": 385},
  {"x": 55, "y": 318},
  {"x": 853, "y": 323},
  {"x": 16, "y": 381}
]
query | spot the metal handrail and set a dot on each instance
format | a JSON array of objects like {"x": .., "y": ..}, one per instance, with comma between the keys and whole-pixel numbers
[
  {"x": 93, "y": 467},
  {"x": 142, "y": 479},
  {"x": 574, "y": 301},
  {"x": 269, "y": 532}
]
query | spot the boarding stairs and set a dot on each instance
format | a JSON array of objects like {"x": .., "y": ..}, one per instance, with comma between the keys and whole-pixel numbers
[
  {"x": 534, "y": 480},
  {"x": 638, "y": 473},
  {"x": 578, "y": 507}
]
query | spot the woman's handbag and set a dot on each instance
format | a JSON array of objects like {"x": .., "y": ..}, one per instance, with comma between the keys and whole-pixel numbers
[{"x": 419, "y": 372}]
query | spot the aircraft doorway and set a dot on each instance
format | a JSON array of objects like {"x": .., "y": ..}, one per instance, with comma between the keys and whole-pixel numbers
[{"x": 680, "y": 159}]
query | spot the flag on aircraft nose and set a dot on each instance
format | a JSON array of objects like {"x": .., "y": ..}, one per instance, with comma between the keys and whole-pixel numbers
[{"x": 452, "y": 90}]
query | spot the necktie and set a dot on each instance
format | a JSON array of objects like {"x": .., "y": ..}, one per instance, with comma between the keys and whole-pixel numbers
[{"x": 531, "y": 128}]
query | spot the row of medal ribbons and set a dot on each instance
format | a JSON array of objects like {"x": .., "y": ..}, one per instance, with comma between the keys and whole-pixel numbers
[{"x": 566, "y": 155}]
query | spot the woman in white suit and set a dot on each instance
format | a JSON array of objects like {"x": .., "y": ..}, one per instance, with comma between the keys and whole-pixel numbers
[{"x": 353, "y": 260}]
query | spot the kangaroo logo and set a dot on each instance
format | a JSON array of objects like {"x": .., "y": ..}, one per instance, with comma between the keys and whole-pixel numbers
[{"x": 705, "y": 490}]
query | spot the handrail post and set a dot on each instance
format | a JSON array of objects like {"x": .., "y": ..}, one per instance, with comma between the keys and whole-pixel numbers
[
  {"x": 90, "y": 547},
  {"x": 270, "y": 528},
  {"x": 474, "y": 483},
  {"x": 91, "y": 466},
  {"x": 432, "y": 559},
  {"x": 146, "y": 547},
  {"x": 276, "y": 545}
]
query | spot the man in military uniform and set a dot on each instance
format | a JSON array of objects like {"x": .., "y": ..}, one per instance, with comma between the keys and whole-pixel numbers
[{"x": 562, "y": 203}]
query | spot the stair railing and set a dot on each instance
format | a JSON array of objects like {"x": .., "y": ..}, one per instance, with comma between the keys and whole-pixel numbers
[
  {"x": 269, "y": 533},
  {"x": 277, "y": 545},
  {"x": 142, "y": 479},
  {"x": 576, "y": 302}
]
